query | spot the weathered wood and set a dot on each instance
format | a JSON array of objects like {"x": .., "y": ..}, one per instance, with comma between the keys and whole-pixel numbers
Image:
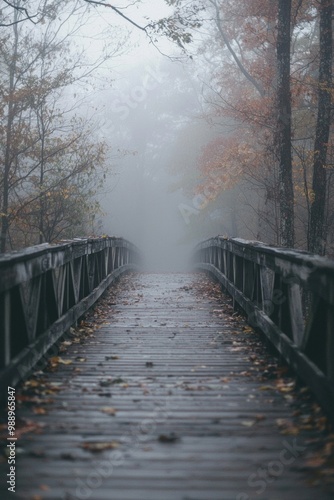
[
  {"x": 271, "y": 295},
  {"x": 44, "y": 290},
  {"x": 184, "y": 377},
  {"x": 296, "y": 313}
]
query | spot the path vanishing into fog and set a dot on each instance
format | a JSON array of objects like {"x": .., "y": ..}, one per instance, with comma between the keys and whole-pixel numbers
[{"x": 164, "y": 393}]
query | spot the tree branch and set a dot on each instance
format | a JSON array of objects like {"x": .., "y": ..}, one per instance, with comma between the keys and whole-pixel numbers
[
  {"x": 234, "y": 55},
  {"x": 95, "y": 2},
  {"x": 20, "y": 9}
]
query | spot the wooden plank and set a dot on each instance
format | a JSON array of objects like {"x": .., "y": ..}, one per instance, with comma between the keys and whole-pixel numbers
[{"x": 182, "y": 359}]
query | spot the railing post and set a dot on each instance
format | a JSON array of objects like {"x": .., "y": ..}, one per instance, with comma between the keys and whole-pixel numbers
[
  {"x": 330, "y": 344},
  {"x": 5, "y": 310}
]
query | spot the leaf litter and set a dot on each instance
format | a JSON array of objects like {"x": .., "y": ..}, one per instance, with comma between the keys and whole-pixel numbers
[
  {"x": 37, "y": 392},
  {"x": 276, "y": 378},
  {"x": 99, "y": 446}
]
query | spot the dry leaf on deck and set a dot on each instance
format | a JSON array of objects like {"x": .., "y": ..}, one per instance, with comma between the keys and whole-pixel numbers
[
  {"x": 109, "y": 410},
  {"x": 99, "y": 446}
]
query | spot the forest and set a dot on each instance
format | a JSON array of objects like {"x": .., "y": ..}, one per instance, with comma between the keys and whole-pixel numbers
[{"x": 238, "y": 111}]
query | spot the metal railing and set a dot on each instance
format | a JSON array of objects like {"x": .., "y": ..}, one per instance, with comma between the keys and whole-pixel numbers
[
  {"x": 289, "y": 296},
  {"x": 45, "y": 289}
]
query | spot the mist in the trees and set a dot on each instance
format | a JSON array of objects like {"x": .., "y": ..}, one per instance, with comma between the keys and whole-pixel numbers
[{"x": 129, "y": 122}]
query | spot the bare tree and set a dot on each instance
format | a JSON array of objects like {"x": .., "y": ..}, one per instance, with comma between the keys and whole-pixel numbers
[
  {"x": 283, "y": 131},
  {"x": 42, "y": 144},
  {"x": 317, "y": 240}
]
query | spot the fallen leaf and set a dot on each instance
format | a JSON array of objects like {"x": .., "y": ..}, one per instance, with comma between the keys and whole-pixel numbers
[
  {"x": 54, "y": 359},
  {"x": 306, "y": 420},
  {"x": 282, "y": 422},
  {"x": 117, "y": 380},
  {"x": 66, "y": 343},
  {"x": 284, "y": 387},
  {"x": 109, "y": 410},
  {"x": 99, "y": 446},
  {"x": 29, "y": 426},
  {"x": 32, "y": 383},
  {"x": 53, "y": 387},
  {"x": 105, "y": 383},
  {"x": 328, "y": 472},
  {"x": 62, "y": 361},
  {"x": 248, "y": 423},
  {"x": 322, "y": 423},
  {"x": 247, "y": 329},
  {"x": 286, "y": 427},
  {"x": 329, "y": 449},
  {"x": 39, "y": 411},
  {"x": 67, "y": 456},
  {"x": 168, "y": 438},
  {"x": 33, "y": 399},
  {"x": 315, "y": 462}
]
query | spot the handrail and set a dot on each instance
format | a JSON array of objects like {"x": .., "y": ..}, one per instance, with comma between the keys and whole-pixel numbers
[
  {"x": 289, "y": 296},
  {"x": 45, "y": 289}
]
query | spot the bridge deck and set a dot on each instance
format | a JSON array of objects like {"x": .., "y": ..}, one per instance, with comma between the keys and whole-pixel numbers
[{"x": 164, "y": 401}]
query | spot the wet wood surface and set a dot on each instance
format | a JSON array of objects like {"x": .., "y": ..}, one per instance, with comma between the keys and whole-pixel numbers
[{"x": 165, "y": 400}]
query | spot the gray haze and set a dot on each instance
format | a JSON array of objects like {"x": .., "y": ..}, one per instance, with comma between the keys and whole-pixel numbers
[
  {"x": 147, "y": 110},
  {"x": 150, "y": 109}
]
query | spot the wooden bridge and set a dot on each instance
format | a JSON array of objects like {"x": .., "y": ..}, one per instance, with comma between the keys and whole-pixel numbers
[{"x": 167, "y": 388}]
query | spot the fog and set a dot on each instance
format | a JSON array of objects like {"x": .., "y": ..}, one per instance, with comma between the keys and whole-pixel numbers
[
  {"x": 145, "y": 103},
  {"x": 139, "y": 104},
  {"x": 148, "y": 107},
  {"x": 127, "y": 134}
]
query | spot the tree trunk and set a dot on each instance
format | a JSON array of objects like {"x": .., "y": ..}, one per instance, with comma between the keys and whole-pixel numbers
[
  {"x": 283, "y": 133},
  {"x": 317, "y": 239},
  {"x": 8, "y": 146}
]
